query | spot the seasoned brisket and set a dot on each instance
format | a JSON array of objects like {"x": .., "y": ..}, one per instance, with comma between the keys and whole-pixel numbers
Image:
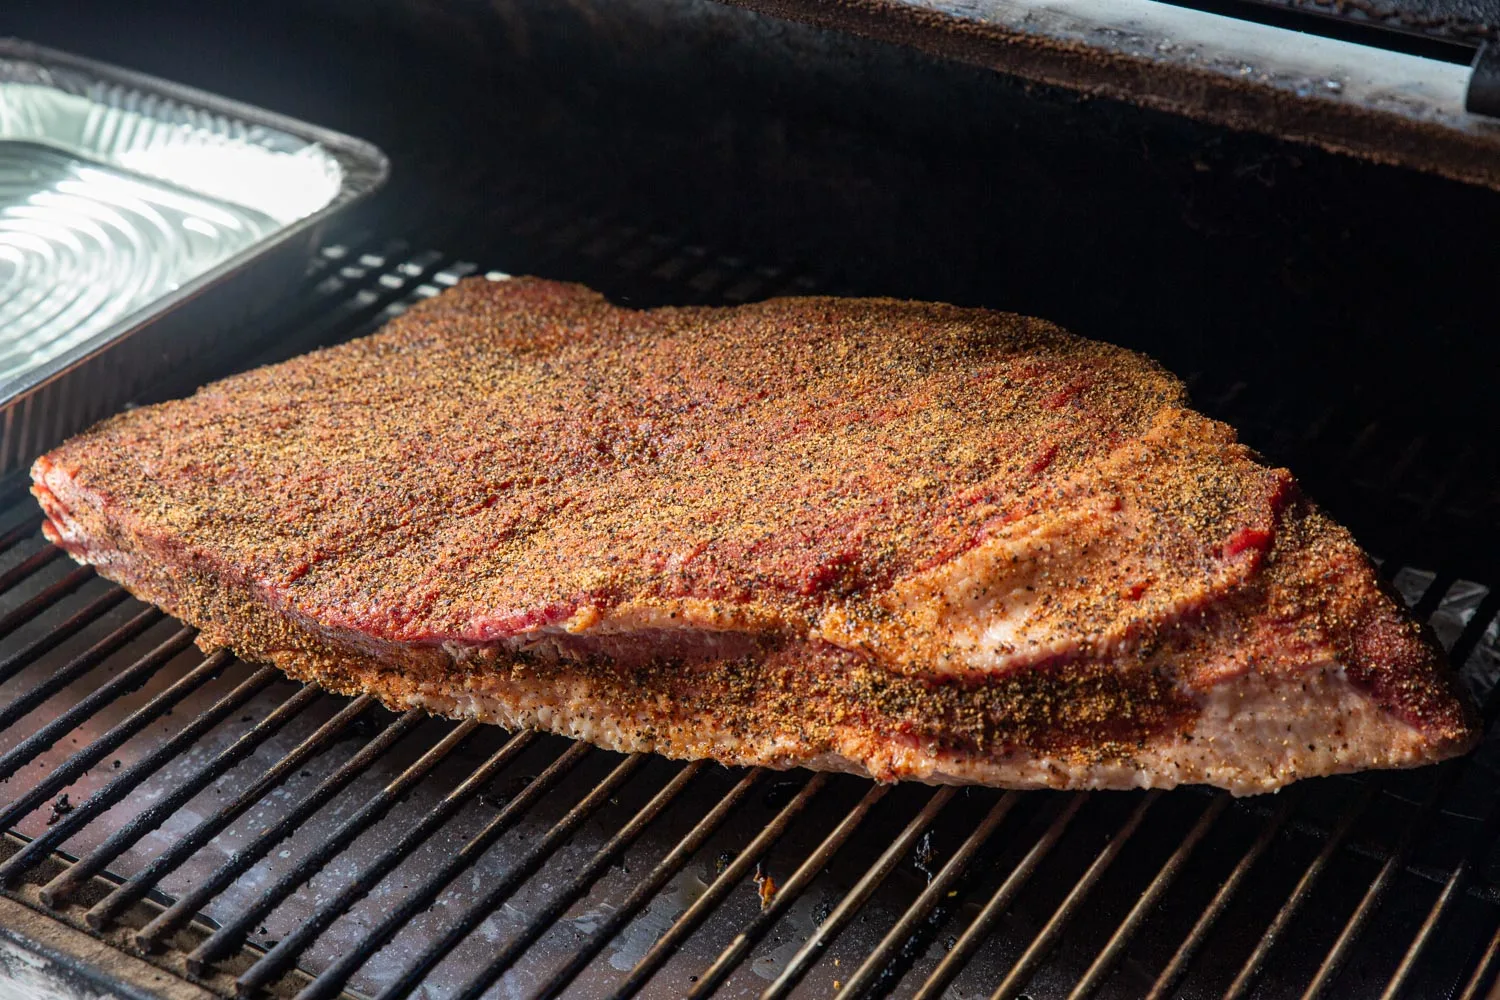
[{"x": 901, "y": 539}]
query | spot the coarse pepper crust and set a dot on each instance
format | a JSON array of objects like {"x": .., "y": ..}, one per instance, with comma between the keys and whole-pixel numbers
[{"x": 903, "y": 539}]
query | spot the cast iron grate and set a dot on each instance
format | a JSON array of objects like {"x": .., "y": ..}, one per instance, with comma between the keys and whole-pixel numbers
[{"x": 255, "y": 834}]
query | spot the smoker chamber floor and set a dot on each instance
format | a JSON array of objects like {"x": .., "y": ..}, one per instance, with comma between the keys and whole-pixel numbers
[{"x": 126, "y": 760}]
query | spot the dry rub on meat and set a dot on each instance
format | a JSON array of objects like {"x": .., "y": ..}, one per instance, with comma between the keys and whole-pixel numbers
[{"x": 907, "y": 540}]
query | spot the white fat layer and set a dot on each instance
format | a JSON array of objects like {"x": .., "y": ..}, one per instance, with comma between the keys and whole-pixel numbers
[
  {"x": 1252, "y": 737},
  {"x": 1005, "y": 626},
  {"x": 989, "y": 598}
]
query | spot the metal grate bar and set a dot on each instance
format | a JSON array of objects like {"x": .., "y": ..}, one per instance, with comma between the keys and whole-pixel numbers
[
  {"x": 28, "y": 566},
  {"x": 1025, "y": 966},
  {"x": 958, "y": 957},
  {"x": 1395, "y": 862},
  {"x": 343, "y": 284},
  {"x": 81, "y": 761},
  {"x": 54, "y": 592},
  {"x": 25, "y": 529},
  {"x": 477, "y": 845},
  {"x": 1305, "y": 885},
  {"x": 75, "y": 875},
  {"x": 642, "y": 894},
  {"x": 878, "y": 961},
  {"x": 1165, "y": 982},
  {"x": 127, "y": 780},
  {"x": 53, "y": 637},
  {"x": 332, "y": 978},
  {"x": 1483, "y": 969},
  {"x": 1453, "y": 890},
  {"x": 1095, "y": 976},
  {"x": 746, "y": 939},
  {"x": 75, "y": 668},
  {"x": 526, "y": 866},
  {"x": 137, "y": 886},
  {"x": 289, "y": 946},
  {"x": 1463, "y": 648},
  {"x": 469, "y": 854},
  {"x": 731, "y": 876},
  {"x": 182, "y": 910},
  {"x": 85, "y": 758},
  {"x": 375, "y": 288},
  {"x": 222, "y": 940},
  {"x": 830, "y": 928},
  {"x": 1432, "y": 596},
  {"x": 1430, "y": 599},
  {"x": 576, "y": 886},
  {"x": 1447, "y": 778}
]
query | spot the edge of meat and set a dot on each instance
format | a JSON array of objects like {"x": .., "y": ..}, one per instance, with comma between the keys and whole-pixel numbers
[{"x": 1248, "y": 734}]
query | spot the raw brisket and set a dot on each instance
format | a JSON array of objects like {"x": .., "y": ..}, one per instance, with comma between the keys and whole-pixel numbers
[{"x": 900, "y": 539}]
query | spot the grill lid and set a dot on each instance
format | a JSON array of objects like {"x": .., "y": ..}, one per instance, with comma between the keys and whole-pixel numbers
[
  {"x": 1465, "y": 19},
  {"x": 1378, "y": 97}
]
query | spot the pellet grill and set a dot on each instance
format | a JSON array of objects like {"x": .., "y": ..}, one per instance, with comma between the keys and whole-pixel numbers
[{"x": 1289, "y": 203}]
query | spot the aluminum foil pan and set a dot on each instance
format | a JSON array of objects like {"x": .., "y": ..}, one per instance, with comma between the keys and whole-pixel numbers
[{"x": 139, "y": 221}]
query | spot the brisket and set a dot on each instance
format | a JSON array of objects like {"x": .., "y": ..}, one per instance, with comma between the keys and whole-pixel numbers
[{"x": 901, "y": 539}]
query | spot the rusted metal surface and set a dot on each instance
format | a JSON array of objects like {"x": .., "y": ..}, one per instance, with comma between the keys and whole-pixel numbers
[
  {"x": 1467, "y": 19},
  {"x": 1385, "y": 106},
  {"x": 1378, "y": 104},
  {"x": 45, "y": 959}
]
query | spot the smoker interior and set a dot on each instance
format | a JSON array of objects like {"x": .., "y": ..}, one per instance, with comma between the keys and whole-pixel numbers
[{"x": 1338, "y": 313}]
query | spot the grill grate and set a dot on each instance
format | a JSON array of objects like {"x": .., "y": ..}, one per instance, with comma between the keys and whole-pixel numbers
[{"x": 260, "y": 835}]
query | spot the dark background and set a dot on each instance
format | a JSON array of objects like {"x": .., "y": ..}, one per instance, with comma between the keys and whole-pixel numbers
[{"x": 1339, "y": 290}]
